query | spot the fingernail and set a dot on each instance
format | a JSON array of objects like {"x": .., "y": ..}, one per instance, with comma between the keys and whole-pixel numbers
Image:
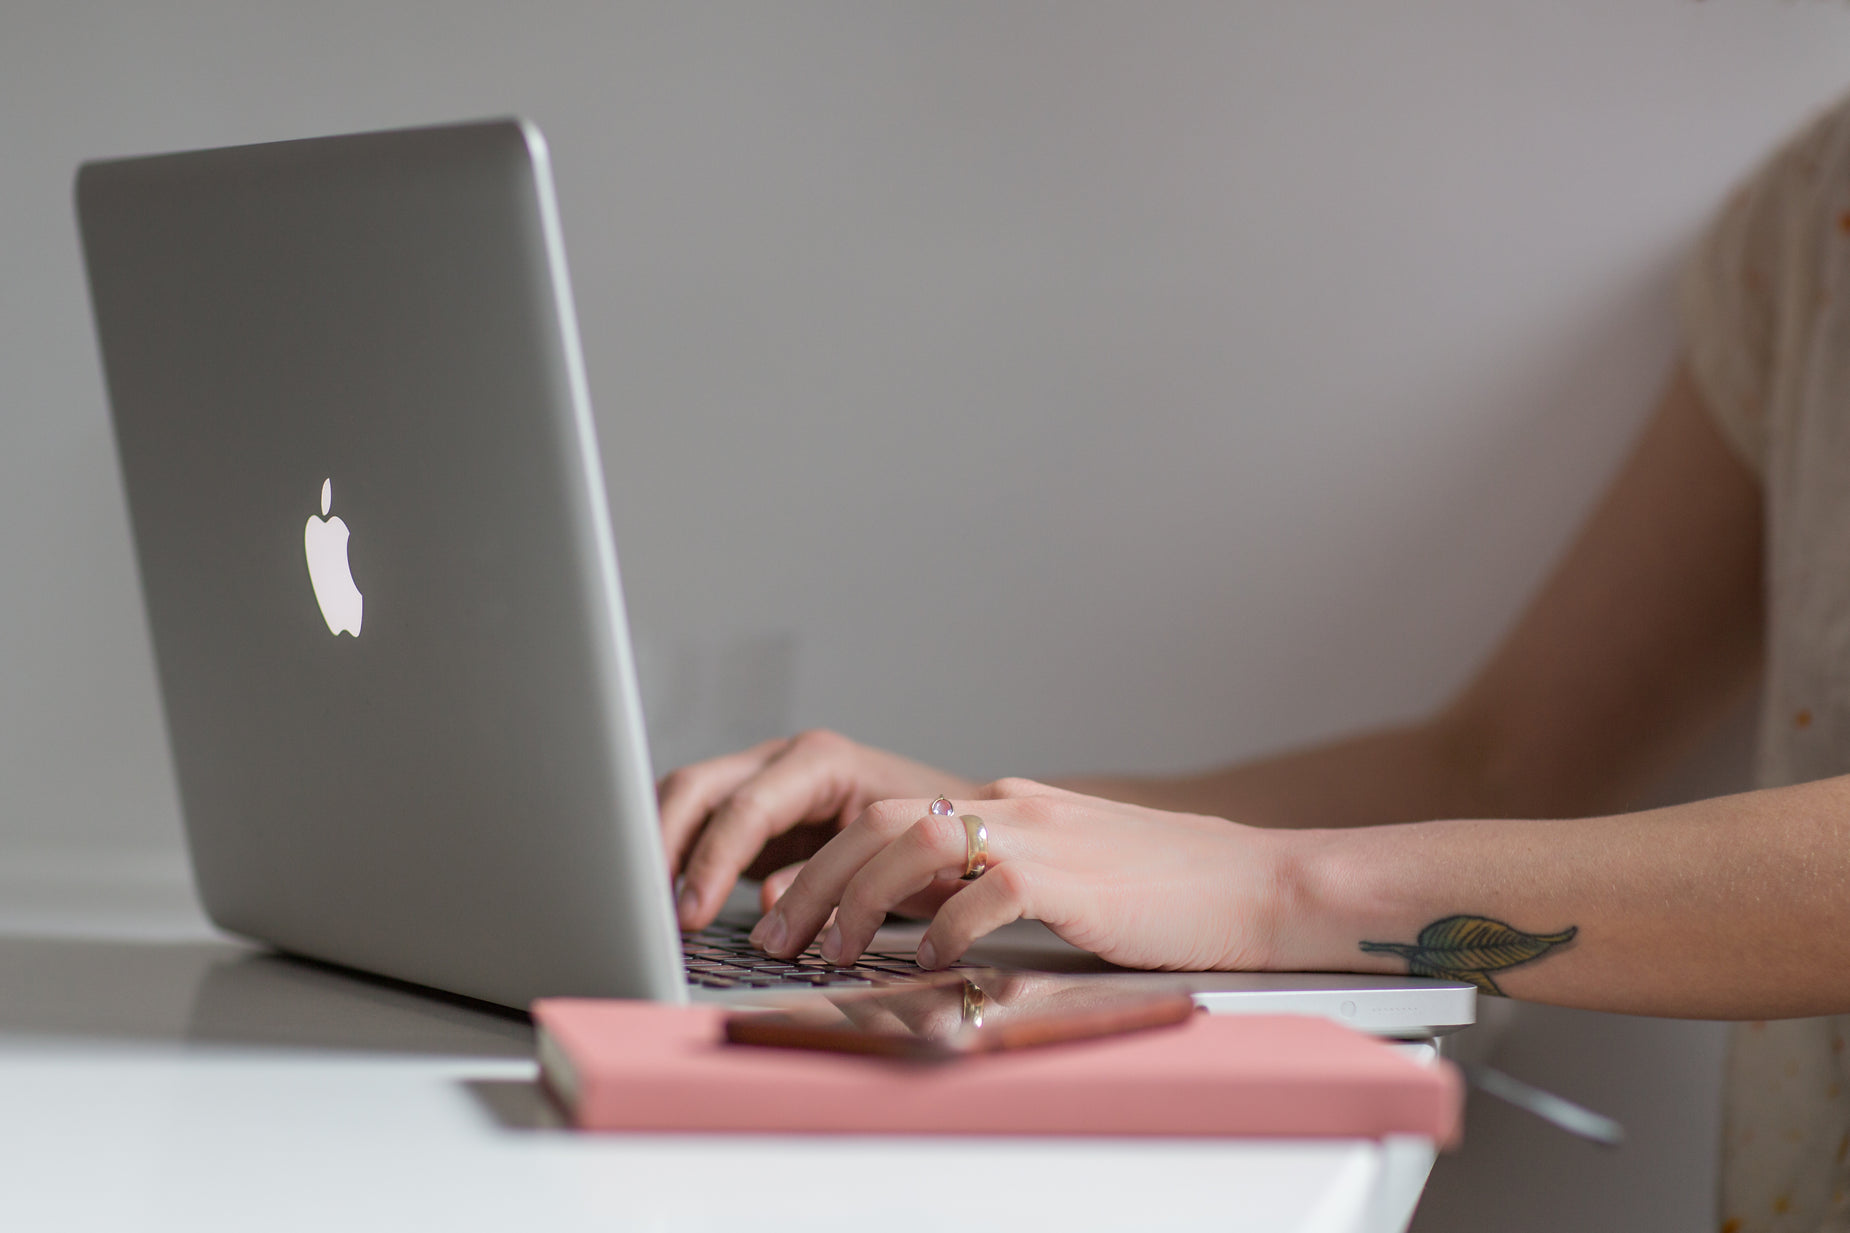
[
  {"x": 776, "y": 932},
  {"x": 688, "y": 903},
  {"x": 928, "y": 954},
  {"x": 831, "y": 945}
]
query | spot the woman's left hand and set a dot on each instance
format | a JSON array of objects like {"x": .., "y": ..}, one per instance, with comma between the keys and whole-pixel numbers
[{"x": 1139, "y": 887}]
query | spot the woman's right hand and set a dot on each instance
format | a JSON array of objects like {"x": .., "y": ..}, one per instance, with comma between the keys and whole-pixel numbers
[{"x": 717, "y": 815}]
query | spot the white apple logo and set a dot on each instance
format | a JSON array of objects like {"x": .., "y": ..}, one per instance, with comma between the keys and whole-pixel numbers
[{"x": 326, "y": 542}]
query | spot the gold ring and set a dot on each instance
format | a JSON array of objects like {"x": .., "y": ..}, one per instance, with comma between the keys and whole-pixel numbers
[
  {"x": 976, "y": 847},
  {"x": 975, "y": 1003}
]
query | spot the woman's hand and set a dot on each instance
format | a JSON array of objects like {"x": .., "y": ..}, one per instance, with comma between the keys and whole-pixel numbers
[
  {"x": 717, "y": 815},
  {"x": 1139, "y": 887}
]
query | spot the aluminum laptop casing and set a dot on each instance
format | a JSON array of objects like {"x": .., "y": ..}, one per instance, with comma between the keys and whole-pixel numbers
[{"x": 460, "y": 796}]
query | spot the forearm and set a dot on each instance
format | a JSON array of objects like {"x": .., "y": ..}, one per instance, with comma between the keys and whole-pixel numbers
[
  {"x": 1728, "y": 908},
  {"x": 1404, "y": 774}
]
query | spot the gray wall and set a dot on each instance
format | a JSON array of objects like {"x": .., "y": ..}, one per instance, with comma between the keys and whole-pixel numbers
[{"x": 1032, "y": 388}]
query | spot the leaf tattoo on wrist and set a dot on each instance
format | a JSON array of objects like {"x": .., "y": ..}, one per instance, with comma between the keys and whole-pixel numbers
[{"x": 1470, "y": 948}]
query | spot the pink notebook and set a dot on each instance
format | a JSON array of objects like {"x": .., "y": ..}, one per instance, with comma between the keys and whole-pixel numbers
[{"x": 640, "y": 1066}]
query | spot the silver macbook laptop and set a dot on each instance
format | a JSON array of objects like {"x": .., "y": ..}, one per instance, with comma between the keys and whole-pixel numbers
[{"x": 369, "y": 514}]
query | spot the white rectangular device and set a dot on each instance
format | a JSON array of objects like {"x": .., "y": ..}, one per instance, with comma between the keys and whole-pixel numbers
[{"x": 369, "y": 515}]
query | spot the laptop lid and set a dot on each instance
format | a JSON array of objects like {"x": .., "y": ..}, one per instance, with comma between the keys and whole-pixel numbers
[{"x": 369, "y": 517}]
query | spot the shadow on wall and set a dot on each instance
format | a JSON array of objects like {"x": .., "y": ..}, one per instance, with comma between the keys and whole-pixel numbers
[{"x": 708, "y": 694}]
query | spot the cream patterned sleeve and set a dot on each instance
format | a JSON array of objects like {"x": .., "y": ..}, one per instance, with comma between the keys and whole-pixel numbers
[{"x": 1748, "y": 295}]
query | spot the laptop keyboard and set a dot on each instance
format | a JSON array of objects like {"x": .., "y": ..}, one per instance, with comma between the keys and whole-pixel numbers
[{"x": 721, "y": 957}]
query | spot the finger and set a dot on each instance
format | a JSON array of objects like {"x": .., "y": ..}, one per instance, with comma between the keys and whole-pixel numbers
[
  {"x": 777, "y": 884},
  {"x": 925, "y": 904},
  {"x": 686, "y": 796},
  {"x": 930, "y": 851},
  {"x": 1012, "y": 788},
  {"x": 920, "y": 907},
  {"x": 793, "y": 923},
  {"x": 809, "y": 781},
  {"x": 1006, "y": 893}
]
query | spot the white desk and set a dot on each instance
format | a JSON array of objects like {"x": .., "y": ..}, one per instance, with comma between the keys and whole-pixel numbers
[{"x": 155, "y": 1076}]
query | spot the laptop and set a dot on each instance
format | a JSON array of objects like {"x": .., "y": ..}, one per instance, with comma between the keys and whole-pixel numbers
[{"x": 369, "y": 516}]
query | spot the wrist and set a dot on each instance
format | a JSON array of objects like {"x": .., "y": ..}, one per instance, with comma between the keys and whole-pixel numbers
[
  {"x": 1320, "y": 892},
  {"x": 1271, "y": 877}
]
